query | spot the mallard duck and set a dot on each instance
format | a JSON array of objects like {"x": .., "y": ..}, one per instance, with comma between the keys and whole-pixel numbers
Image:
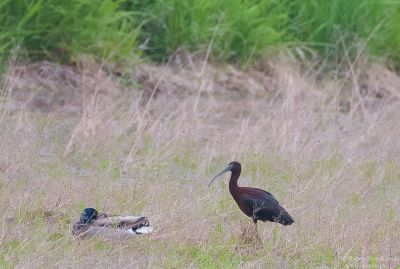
[{"x": 91, "y": 223}]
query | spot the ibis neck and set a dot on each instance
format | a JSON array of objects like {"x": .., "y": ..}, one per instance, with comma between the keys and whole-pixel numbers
[{"x": 233, "y": 182}]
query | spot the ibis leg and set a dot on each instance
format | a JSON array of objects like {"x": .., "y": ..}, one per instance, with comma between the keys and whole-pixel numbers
[{"x": 256, "y": 232}]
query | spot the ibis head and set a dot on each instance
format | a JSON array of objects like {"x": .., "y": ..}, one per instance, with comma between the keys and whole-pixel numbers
[{"x": 233, "y": 167}]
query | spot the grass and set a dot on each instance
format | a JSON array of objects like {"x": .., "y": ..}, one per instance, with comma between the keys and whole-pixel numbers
[
  {"x": 234, "y": 30},
  {"x": 58, "y": 30},
  {"x": 244, "y": 31},
  {"x": 122, "y": 151},
  {"x": 329, "y": 25},
  {"x": 237, "y": 31}
]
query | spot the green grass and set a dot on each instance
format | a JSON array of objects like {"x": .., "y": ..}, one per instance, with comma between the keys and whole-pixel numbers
[
  {"x": 333, "y": 27},
  {"x": 59, "y": 30},
  {"x": 245, "y": 30},
  {"x": 237, "y": 31}
]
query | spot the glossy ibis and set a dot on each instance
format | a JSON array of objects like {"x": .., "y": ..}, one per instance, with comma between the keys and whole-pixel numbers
[
  {"x": 92, "y": 223},
  {"x": 255, "y": 203}
]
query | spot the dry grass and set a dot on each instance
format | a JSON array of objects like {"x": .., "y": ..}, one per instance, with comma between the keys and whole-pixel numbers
[{"x": 147, "y": 142}]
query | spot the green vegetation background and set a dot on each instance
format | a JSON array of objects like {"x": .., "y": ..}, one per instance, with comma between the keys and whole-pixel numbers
[{"x": 235, "y": 30}]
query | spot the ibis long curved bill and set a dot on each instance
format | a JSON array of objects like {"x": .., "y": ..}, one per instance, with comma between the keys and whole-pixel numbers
[{"x": 227, "y": 169}]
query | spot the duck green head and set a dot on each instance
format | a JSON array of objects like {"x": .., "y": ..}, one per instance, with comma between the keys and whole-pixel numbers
[{"x": 88, "y": 215}]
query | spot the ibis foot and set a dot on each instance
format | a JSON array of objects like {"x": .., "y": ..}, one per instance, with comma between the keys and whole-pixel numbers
[
  {"x": 257, "y": 237},
  {"x": 249, "y": 234}
]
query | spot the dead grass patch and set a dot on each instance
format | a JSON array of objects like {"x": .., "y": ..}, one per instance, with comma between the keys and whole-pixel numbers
[{"x": 147, "y": 141}]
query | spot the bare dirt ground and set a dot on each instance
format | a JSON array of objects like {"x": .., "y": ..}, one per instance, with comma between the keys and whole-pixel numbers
[{"x": 146, "y": 141}]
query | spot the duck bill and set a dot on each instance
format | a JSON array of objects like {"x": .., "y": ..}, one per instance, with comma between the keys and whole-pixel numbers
[{"x": 219, "y": 174}]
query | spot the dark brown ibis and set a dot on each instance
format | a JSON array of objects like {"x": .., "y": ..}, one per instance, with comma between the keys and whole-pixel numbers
[{"x": 255, "y": 203}]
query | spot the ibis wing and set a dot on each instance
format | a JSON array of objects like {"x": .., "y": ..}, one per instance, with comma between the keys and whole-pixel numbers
[
  {"x": 261, "y": 204},
  {"x": 265, "y": 207}
]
